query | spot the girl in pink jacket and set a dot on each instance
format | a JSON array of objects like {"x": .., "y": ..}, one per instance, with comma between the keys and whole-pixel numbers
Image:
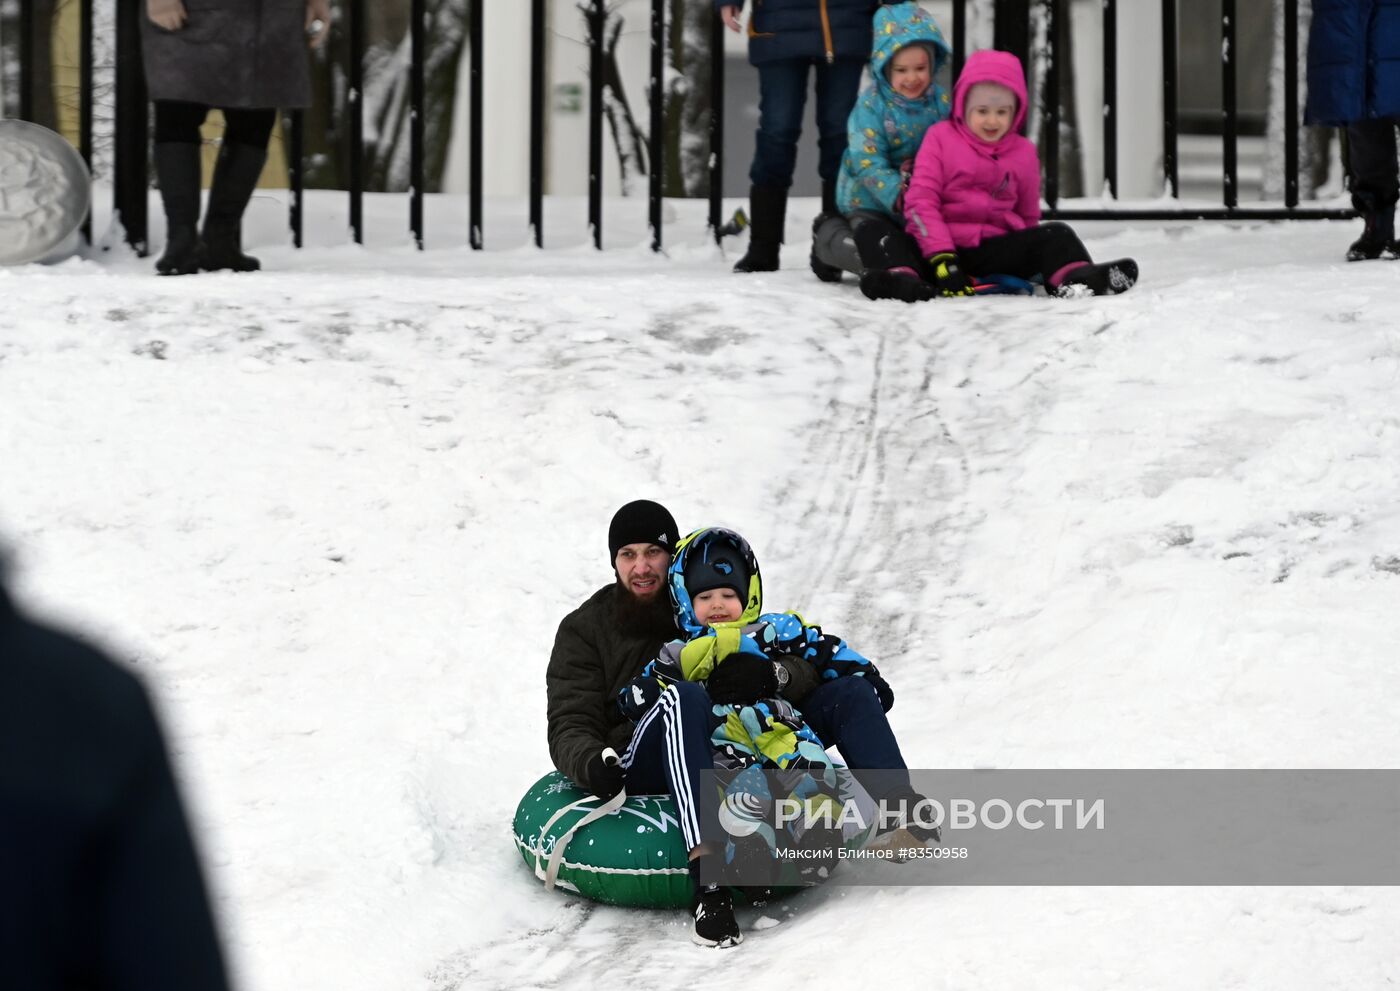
[{"x": 973, "y": 205}]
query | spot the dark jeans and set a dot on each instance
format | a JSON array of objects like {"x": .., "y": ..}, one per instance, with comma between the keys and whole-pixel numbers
[
  {"x": 179, "y": 123},
  {"x": 783, "y": 97},
  {"x": 1372, "y": 164},
  {"x": 846, "y": 714}
]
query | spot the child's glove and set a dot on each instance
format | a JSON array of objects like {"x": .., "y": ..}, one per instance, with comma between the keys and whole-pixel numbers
[
  {"x": 948, "y": 277},
  {"x": 882, "y": 688},
  {"x": 742, "y": 679}
]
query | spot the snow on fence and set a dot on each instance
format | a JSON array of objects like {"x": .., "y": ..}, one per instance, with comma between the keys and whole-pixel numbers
[{"x": 1027, "y": 27}]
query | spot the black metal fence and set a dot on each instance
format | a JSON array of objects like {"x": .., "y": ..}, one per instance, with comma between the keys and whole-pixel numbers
[{"x": 131, "y": 163}]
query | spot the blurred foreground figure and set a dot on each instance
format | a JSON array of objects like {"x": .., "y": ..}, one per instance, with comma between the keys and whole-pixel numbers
[{"x": 99, "y": 884}]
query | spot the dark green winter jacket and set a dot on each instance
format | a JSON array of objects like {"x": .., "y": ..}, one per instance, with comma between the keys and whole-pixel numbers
[{"x": 591, "y": 661}]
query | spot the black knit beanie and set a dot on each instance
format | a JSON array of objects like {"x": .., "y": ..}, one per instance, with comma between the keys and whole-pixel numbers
[{"x": 642, "y": 522}]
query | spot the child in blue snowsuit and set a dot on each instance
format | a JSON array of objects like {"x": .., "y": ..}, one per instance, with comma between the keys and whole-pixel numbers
[
  {"x": 735, "y": 650},
  {"x": 884, "y": 133}
]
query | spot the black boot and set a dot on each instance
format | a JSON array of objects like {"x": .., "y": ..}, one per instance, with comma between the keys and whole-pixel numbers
[
  {"x": 767, "y": 215},
  {"x": 833, "y": 248},
  {"x": 896, "y": 283},
  {"x": 177, "y": 171},
  {"x": 1106, "y": 279},
  {"x": 829, "y": 197},
  {"x": 1378, "y": 237},
  {"x": 713, "y": 908},
  {"x": 235, "y": 177}
]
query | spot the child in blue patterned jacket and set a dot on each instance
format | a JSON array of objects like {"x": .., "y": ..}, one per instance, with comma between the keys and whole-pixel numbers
[{"x": 884, "y": 132}]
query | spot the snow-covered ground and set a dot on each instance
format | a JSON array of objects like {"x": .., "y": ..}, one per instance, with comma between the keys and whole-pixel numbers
[{"x": 334, "y": 512}]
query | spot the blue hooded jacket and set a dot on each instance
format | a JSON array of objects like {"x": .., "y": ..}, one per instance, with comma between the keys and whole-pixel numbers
[
  {"x": 812, "y": 29},
  {"x": 885, "y": 129},
  {"x": 1353, "y": 61}
]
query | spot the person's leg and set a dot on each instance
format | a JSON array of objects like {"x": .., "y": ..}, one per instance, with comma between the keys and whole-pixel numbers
[
  {"x": 1372, "y": 174},
  {"x": 838, "y": 86},
  {"x": 890, "y": 258},
  {"x": 834, "y": 248},
  {"x": 177, "y": 163},
  {"x": 670, "y": 747},
  {"x": 782, "y": 97},
  {"x": 236, "y": 173}
]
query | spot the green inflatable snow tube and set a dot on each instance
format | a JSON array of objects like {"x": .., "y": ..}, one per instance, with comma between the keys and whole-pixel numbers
[{"x": 635, "y": 857}]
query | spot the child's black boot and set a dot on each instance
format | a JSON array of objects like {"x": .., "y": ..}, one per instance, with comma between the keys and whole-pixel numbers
[
  {"x": 713, "y": 909},
  {"x": 1104, "y": 279}
]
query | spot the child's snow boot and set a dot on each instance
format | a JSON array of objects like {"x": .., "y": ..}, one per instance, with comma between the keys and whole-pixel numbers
[
  {"x": 1377, "y": 239},
  {"x": 1104, "y": 279},
  {"x": 896, "y": 283},
  {"x": 713, "y": 908}
]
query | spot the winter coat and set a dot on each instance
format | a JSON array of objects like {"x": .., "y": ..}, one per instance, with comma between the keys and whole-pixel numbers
[
  {"x": 592, "y": 660},
  {"x": 807, "y": 29},
  {"x": 100, "y": 886},
  {"x": 964, "y": 189},
  {"x": 885, "y": 128},
  {"x": 230, "y": 53},
  {"x": 1353, "y": 61},
  {"x": 770, "y": 732}
]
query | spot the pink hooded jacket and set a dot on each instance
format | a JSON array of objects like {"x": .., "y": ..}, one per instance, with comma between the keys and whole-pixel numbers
[{"x": 964, "y": 189}]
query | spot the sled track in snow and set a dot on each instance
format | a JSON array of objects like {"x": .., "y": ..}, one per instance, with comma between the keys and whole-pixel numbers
[{"x": 892, "y": 479}]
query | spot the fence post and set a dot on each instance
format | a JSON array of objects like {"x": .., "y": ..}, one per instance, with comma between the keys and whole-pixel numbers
[
  {"x": 1169, "y": 99},
  {"x": 597, "y": 22},
  {"x": 417, "y": 14},
  {"x": 26, "y": 60},
  {"x": 478, "y": 45},
  {"x": 1053, "y": 12},
  {"x": 959, "y": 38},
  {"x": 85, "y": 99},
  {"x": 130, "y": 158},
  {"x": 716, "y": 124},
  {"x": 1110, "y": 95},
  {"x": 1227, "y": 72},
  {"x": 537, "y": 98},
  {"x": 658, "y": 117},
  {"x": 296, "y": 152},
  {"x": 1290, "y": 103}
]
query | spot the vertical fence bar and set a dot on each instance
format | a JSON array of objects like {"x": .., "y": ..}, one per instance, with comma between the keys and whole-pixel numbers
[
  {"x": 355, "y": 107},
  {"x": 1110, "y": 96},
  {"x": 1169, "y": 99},
  {"x": 716, "y": 124},
  {"x": 416, "y": 54},
  {"x": 26, "y": 59},
  {"x": 475, "y": 149},
  {"x": 296, "y": 177},
  {"x": 959, "y": 38},
  {"x": 597, "y": 20},
  {"x": 130, "y": 160},
  {"x": 537, "y": 98},
  {"x": 658, "y": 117},
  {"x": 85, "y": 99},
  {"x": 1052, "y": 103},
  {"x": 1230, "y": 101},
  {"x": 1290, "y": 103}
]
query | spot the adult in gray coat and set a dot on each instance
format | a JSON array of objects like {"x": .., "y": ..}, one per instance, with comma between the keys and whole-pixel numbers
[{"x": 245, "y": 57}]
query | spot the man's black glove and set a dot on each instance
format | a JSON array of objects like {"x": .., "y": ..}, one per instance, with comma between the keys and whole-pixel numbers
[
  {"x": 948, "y": 276},
  {"x": 602, "y": 775},
  {"x": 742, "y": 679},
  {"x": 882, "y": 688}
]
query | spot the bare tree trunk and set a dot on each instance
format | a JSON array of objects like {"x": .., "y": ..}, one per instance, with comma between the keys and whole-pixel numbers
[
  {"x": 629, "y": 140},
  {"x": 386, "y": 97},
  {"x": 688, "y": 99}
]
